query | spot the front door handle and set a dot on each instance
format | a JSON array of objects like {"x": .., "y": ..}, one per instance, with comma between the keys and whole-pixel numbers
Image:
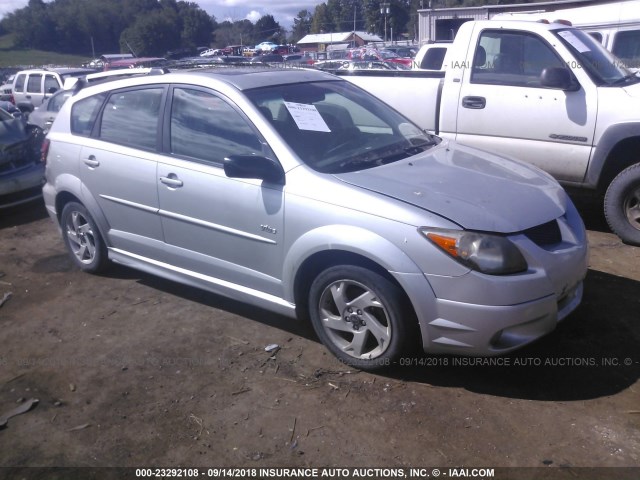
[
  {"x": 476, "y": 103},
  {"x": 171, "y": 181}
]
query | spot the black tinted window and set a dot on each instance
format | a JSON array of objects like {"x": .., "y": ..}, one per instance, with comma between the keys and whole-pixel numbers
[
  {"x": 131, "y": 118},
  {"x": 205, "y": 127}
]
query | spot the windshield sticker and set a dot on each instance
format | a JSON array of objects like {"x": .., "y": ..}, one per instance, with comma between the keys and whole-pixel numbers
[
  {"x": 574, "y": 41},
  {"x": 307, "y": 117}
]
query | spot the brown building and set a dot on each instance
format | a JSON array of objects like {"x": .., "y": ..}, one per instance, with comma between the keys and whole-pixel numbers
[{"x": 328, "y": 42}]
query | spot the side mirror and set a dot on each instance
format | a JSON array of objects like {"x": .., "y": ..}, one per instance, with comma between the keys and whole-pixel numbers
[
  {"x": 254, "y": 166},
  {"x": 558, "y": 77}
]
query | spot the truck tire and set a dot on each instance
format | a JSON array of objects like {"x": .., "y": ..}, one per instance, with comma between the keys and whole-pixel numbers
[{"x": 622, "y": 205}]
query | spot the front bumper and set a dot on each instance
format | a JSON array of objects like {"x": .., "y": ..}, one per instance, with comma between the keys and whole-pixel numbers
[{"x": 482, "y": 330}]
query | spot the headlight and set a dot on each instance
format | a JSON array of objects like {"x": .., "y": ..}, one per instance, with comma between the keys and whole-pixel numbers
[{"x": 490, "y": 254}]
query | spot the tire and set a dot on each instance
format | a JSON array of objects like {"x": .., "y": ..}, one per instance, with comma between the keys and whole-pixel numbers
[
  {"x": 622, "y": 205},
  {"x": 360, "y": 316},
  {"x": 83, "y": 238}
]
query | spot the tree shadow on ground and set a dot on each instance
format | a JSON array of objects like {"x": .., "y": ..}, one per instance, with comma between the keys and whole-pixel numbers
[{"x": 586, "y": 357}]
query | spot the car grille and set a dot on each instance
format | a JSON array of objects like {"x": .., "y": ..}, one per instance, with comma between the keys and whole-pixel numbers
[
  {"x": 545, "y": 235},
  {"x": 16, "y": 157}
]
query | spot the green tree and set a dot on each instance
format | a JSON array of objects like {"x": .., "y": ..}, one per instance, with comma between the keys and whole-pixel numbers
[
  {"x": 301, "y": 25},
  {"x": 268, "y": 29},
  {"x": 240, "y": 32},
  {"x": 152, "y": 34},
  {"x": 197, "y": 25},
  {"x": 321, "y": 21}
]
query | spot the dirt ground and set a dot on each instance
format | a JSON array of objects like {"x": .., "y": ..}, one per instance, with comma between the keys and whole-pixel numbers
[{"x": 131, "y": 370}]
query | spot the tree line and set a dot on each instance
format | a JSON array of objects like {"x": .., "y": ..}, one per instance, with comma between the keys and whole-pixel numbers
[{"x": 155, "y": 27}]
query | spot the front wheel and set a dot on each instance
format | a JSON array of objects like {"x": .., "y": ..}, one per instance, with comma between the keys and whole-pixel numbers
[
  {"x": 360, "y": 316},
  {"x": 83, "y": 239},
  {"x": 622, "y": 205}
]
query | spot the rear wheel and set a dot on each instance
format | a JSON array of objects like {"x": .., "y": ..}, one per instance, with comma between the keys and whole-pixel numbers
[
  {"x": 83, "y": 239},
  {"x": 360, "y": 316},
  {"x": 622, "y": 205}
]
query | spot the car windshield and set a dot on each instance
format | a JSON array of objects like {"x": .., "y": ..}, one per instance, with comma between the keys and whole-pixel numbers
[
  {"x": 335, "y": 127},
  {"x": 604, "y": 68}
]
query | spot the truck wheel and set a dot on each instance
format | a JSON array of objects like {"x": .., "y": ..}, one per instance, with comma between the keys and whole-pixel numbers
[
  {"x": 622, "y": 205},
  {"x": 83, "y": 239},
  {"x": 360, "y": 316}
]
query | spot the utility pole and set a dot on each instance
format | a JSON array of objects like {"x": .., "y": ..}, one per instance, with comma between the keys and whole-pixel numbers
[{"x": 384, "y": 10}]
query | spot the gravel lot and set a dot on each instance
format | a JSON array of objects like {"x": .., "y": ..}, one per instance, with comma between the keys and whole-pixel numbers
[{"x": 131, "y": 370}]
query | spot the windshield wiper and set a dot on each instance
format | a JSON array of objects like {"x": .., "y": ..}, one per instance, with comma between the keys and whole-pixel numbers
[
  {"x": 626, "y": 78},
  {"x": 420, "y": 147}
]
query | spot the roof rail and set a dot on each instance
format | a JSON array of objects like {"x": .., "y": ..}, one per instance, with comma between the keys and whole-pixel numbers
[{"x": 78, "y": 83}]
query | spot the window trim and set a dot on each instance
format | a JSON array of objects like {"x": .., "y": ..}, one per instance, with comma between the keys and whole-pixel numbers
[{"x": 516, "y": 32}]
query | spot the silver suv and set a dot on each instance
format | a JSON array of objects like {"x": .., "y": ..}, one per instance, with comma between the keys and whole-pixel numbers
[{"x": 296, "y": 191}]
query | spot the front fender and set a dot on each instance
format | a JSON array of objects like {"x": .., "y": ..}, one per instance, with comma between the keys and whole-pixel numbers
[
  {"x": 605, "y": 145},
  {"x": 345, "y": 238}
]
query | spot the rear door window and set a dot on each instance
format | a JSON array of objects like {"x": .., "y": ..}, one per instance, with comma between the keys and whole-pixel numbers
[
  {"x": 34, "y": 84},
  {"x": 131, "y": 117},
  {"x": 626, "y": 46}
]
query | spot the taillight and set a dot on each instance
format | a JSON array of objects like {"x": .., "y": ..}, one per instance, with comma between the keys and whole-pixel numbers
[{"x": 44, "y": 151}]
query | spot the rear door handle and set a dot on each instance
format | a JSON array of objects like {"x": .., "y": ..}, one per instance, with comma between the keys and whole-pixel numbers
[
  {"x": 172, "y": 181},
  {"x": 476, "y": 103},
  {"x": 91, "y": 161}
]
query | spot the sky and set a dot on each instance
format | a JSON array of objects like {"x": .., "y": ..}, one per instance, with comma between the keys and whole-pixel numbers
[{"x": 283, "y": 11}]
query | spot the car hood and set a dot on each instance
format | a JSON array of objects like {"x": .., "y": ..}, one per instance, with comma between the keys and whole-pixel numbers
[
  {"x": 475, "y": 189},
  {"x": 12, "y": 132},
  {"x": 632, "y": 90}
]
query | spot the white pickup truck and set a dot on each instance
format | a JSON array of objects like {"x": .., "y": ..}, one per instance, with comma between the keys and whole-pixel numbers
[{"x": 547, "y": 94}]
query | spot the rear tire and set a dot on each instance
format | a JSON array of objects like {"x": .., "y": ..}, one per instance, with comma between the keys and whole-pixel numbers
[
  {"x": 83, "y": 238},
  {"x": 360, "y": 316},
  {"x": 622, "y": 205}
]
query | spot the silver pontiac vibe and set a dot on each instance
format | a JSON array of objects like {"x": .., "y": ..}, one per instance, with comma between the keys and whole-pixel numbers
[{"x": 296, "y": 191}]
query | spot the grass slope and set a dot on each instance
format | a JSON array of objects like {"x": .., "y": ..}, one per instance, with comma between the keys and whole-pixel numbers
[{"x": 11, "y": 57}]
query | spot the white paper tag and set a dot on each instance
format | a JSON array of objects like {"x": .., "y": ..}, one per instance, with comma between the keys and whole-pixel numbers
[{"x": 307, "y": 117}]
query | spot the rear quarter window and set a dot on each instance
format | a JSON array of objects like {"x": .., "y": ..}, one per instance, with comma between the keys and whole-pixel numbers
[{"x": 84, "y": 114}]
